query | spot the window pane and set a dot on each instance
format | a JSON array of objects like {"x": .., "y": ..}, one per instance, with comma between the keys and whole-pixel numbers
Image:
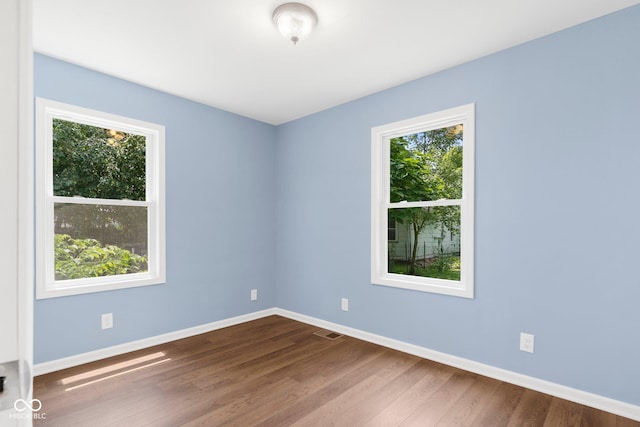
[
  {"x": 427, "y": 242},
  {"x": 392, "y": 230},
  {"x": 99, "y": 240},
  {"x": 426, "y": 165},
  {"x": 99, "y": 163}
]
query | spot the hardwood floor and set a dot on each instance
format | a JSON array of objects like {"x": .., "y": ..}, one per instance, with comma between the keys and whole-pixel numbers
[{"x": 276, "y": 372}]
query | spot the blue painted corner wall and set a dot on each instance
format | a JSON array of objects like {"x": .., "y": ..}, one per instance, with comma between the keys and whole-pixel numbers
[
  {"x": 557, "y": 173},
  {"x": 286, "y": 210},
  {"x": 220, "y": 214}
]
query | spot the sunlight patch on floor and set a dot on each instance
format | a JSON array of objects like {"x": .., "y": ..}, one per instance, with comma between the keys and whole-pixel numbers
[{"x": 145, "y": 362}]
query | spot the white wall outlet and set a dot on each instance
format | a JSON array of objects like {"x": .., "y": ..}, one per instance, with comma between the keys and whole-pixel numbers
[
  {"x": 254, "y": 294},
  {"x": 345, "y": 304},
  {"x": 107, "y": 321},
  {"x": 526, "y": 342}
]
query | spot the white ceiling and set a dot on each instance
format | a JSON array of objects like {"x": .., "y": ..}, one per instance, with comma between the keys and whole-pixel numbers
[{"x": 228, "y": 54}]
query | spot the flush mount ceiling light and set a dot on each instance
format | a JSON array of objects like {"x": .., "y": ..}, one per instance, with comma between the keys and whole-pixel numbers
[{"x": 294, "y": 20}]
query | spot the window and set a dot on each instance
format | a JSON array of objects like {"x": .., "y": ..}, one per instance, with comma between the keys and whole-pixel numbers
[
  {"x": 99, "y": 201},
  {"x": 392, "y": 229},
  {"x": 422, "y": 188}
]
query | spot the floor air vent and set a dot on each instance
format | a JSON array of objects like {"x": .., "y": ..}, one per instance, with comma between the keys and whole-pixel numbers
[{"x": 327, "y": 334}]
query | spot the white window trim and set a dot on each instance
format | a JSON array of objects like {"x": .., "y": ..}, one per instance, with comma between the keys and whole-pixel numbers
[
  {"x": 46, "y": 285},
  {"x": 380, "y": 202}
]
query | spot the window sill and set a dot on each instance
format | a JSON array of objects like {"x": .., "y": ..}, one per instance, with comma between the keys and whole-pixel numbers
[
  {"x": 425, "y": 284},
  {"x": 98, "y": 284}
]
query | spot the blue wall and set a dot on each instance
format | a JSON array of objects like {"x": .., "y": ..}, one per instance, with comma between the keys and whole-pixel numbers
[
  {"x": 220, "y": 215},
  {"x": 557, "y": 175}
]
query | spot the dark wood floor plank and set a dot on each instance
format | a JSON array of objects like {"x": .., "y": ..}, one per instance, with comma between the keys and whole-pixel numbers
[
  {"x": 248, "y": 411},
  {"x": 563, "y": 413},
  {"x": 215, "y": 363},
  {"x": 592, "y": 417},
  {"x": 531, "y": 410},
  {"x": 500, "y": 407},
  {"x": 365, "y": 400},
  {"x": 338, "y": 382},
  {"x": 471, "y": 404},
  {"x": 248, "y": 345},
  {"x": 265, "y": 389},
  {"x": 409, "y": 401},
  {"x": 625, "y": 422},
  {"x": 275, "y": 372},
  {"x": 271, "y": 362},
  {"x": 436, "y": 406}
]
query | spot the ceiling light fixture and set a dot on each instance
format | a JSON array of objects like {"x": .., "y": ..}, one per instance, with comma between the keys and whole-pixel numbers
[{"x": 294, "y": 20}]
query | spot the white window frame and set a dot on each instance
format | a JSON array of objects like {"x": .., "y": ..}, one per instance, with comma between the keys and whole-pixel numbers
[
  {"x": 46, "y": 285},
  {"x": 380, "y": 202}
]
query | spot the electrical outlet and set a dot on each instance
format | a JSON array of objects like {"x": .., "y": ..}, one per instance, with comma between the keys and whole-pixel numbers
[
  {"x": 345, "y": 304},
  {"x": 254, "y": 294},
  {"x": 107, "y": 321},
  {"x": 526, "y": 342}
]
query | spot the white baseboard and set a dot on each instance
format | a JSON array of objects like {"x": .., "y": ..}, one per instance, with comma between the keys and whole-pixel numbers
[
  {"x": 617, "y": 407},
  {"x": 92, "y": 356}
]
